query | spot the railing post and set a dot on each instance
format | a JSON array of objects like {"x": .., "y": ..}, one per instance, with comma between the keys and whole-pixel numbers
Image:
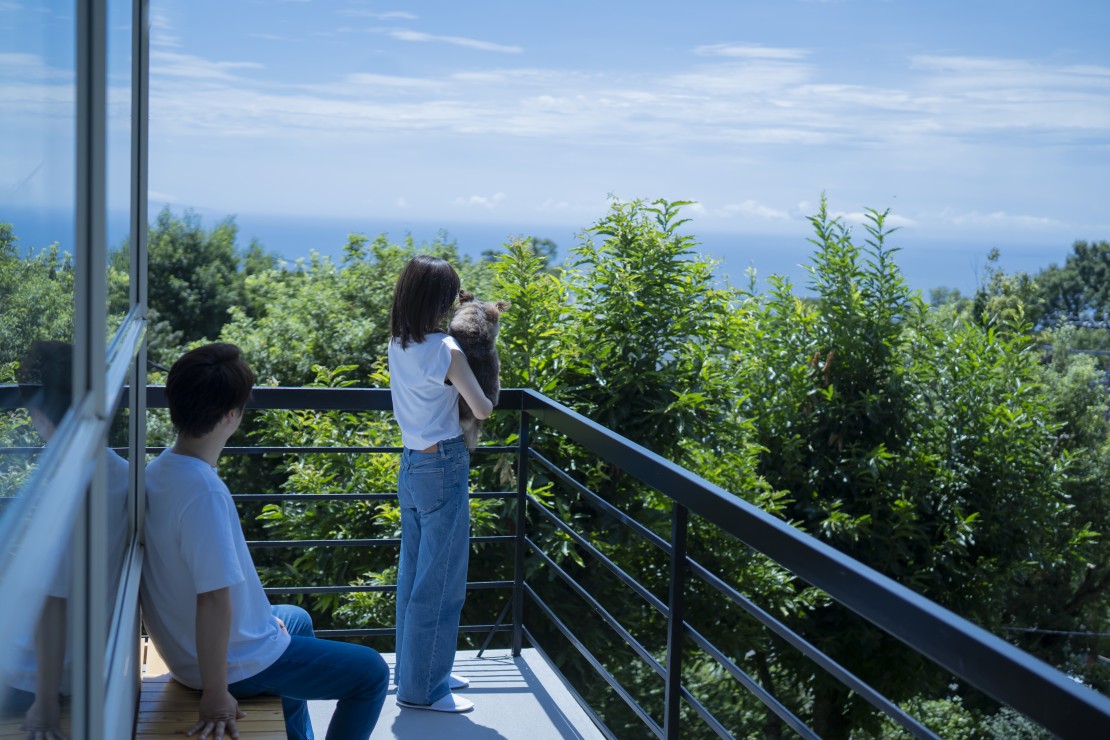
[
  {"x": 521, "y": 518},
  {"x": 677, "y": 614}
]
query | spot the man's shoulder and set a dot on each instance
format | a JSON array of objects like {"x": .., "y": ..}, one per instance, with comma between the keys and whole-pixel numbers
[{"x": 178, "y": 475}]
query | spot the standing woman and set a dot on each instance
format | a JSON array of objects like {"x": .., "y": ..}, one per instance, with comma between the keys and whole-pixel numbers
[{"x": 428, "y": 372}]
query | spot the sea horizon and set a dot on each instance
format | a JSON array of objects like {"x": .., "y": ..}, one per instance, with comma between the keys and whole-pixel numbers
[{"x": 925, "y": 263}]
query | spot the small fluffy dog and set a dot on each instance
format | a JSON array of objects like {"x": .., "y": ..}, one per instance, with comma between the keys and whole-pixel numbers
[{"x": 474, "y": 326}]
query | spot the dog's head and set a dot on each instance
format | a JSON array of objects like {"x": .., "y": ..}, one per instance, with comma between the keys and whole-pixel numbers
[{"x": 477, "y": 318}]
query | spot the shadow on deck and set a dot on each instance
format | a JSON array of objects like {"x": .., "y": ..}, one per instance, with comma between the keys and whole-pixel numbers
[{"x": 513, "y": 698}]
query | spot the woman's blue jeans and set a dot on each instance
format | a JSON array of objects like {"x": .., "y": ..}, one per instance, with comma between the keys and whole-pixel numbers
[
  {"x": 431, "y": 578},
  {"x": 321, "y": 669}
]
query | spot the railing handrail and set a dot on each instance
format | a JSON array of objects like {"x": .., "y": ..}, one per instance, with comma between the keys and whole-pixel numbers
[
  {"x": 994, "y": 666},
  {"x": 989, "y": 663}
]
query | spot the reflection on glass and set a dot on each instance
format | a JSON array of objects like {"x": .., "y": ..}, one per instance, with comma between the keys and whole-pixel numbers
[
  {"x": 38, "y": 677},
  {"x": 118, "y": 195},
  {"x": 37, "y": 169},
  {"x": 37, "y": 203}
]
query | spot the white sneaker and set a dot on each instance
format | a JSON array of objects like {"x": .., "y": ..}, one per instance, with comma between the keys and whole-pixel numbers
[
  {"x": 448, "y": 703},
  {"x": 457, "y": 682}
]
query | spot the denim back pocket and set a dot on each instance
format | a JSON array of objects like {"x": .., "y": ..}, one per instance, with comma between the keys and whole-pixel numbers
[{"x": 426, "y": 476}]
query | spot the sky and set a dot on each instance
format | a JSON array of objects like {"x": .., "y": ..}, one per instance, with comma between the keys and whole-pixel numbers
[{"x": 978, "y": 123}]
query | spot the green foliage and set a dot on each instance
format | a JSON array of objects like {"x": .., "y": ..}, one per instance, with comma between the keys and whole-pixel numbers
[
  {"x": 644, "y": 325},
  {"x": 36, "y": 292},
  {"x": 531, "y": 329},
  {"x": 328, "y": 314},
  {"x": 1082, "y": 285},
  {"x": 194, "y": 278}
]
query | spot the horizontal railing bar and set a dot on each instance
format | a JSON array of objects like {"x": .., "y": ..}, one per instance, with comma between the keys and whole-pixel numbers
[
  {"x": 585, "y": 705},
  {"x": 318, "y": 399},
  {"x": 608, "y": 618},
  {"x": 390, "y": 588},
  {"x": 601, "y": 558},
  {"x": 811, "y": 651},
  {"x": 642, "y": 713},
  {"x": 306, "y": 498},
  {"x": 384, "y": 541},
  {"x": 601, "y": 503},
  {"x": 753, "y": 686},
  {"x": 994, "y": 666},
  {"x": 705, "y": 714},
  {"x": 314, "y": 450},
  {"x": 392, "y": 631}
]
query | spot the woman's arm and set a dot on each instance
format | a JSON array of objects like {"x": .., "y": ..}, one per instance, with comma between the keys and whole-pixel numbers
[{"x": 462, "y": 377}]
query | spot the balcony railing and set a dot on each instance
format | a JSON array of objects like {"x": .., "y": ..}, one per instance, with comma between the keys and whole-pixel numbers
[{"x": 995, "y": 667}]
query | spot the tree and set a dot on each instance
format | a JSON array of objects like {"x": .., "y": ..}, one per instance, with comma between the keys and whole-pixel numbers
[
  {"x": 1082, "y": 286},
  {"x": 195, "y": 276},
  {"x": 36, "y": 295},
  {"x": 927, "y": 450}
]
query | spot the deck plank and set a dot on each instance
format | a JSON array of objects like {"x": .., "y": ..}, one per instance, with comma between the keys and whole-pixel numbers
[{"x": 168, "y": 708}]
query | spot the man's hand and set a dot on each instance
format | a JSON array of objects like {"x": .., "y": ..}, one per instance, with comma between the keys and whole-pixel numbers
[
  {"x": 218, "y": 713},
  {"x": 44, "y": 721}
]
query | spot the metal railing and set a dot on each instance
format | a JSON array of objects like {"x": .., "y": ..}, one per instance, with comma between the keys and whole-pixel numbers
[{"x": 995, "y": 667}]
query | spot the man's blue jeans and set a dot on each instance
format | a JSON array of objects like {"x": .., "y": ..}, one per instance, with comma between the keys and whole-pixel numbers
[
  {"x": 321, "y": 669},
  {"x": 431, "y": 578}
]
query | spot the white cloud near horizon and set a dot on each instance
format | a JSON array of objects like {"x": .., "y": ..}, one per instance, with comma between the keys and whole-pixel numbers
[
  {"x": 752, "y": 208},
  {"x": 998, "y": 218},
  {"x": 481, "y": 201}
]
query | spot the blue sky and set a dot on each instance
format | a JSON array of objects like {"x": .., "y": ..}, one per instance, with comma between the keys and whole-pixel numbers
[{"x": 979, "y": 121}]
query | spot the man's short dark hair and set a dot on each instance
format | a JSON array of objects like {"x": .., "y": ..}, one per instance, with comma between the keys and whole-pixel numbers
[
  {"x": 45, "y": 378},
  {"x": 204, "y": 385}
]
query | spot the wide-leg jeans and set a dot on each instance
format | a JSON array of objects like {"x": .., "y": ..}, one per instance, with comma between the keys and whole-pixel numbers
[
  {"x": 311, "y": 668},
  {"x": 431, "y": 577}
]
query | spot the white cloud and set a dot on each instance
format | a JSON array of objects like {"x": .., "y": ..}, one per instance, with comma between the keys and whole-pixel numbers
[
  {"x": 161, "y": 35},
  {"x": 401, "y": 203},
  {"x": 481, "y": 201},
  {"x": 267, "y": 36},
  {"x": 159, "y": 197},
  {"x": 750, "y": 51},
  {"x": 753, "y": 208},
  {"x": 26, "y": 67},
  {"x": 891, "y": 221},
  {"x": 362, "y": 79},
  {"x": 405, "y": 35},
  {"x": 193, "y": 67},
  {"x": 389, "y": 15},
  {"x": 7, "y": 5},
  {"x": 997, "y": 219}
]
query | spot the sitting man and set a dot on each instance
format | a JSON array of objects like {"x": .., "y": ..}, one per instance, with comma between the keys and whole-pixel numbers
[{"x": 203, "y": 603}]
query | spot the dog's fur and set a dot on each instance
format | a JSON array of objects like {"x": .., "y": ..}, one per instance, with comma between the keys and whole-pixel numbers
[{"x": 474, "y": 326}]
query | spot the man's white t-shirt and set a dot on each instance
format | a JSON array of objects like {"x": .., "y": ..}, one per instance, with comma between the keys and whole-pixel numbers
[
  {"x": 23, "y": 667},
  {"x": 195, "y": 544},
  {"x": 426, "y": 407}
]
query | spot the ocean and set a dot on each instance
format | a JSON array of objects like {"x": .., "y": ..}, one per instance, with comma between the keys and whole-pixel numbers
[{"x": 925, "y": 263}]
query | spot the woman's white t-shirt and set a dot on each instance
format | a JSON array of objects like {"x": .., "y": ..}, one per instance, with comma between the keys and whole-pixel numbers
[{"x": 426, "y": 407}]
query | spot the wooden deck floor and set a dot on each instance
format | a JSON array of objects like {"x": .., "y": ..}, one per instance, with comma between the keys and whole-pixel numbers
[{"x": 167, "y": 709}]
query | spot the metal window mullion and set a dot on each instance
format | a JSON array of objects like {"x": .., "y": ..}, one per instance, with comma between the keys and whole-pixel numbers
[{"x": 90, "y": 308}]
